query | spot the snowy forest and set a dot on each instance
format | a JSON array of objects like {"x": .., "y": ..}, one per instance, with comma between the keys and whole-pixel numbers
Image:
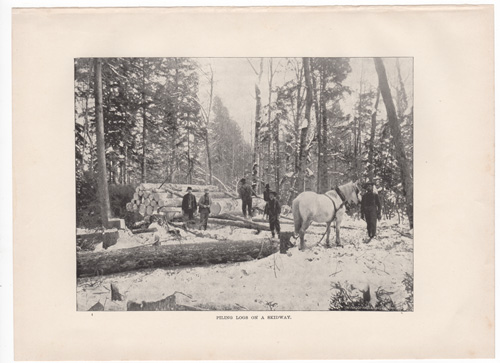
[
  {"x": 146, "y": 128},
  {"x": 165, "y": 121}
]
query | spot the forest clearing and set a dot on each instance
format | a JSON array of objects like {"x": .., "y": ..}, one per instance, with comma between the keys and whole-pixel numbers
[
  {"x": 196, "y": 179},
  {"x": 295, "y": 280}
]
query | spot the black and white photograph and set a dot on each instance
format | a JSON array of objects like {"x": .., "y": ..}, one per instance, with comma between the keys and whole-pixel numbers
[
  {"x": 244, "y": 184},
  {"x": 267, "y": 182}
]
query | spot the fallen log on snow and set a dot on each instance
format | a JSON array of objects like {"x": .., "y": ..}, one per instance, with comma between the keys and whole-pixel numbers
[
  {"x": 193, "y": 254},
  {"x": 239, "y": 223},
  {"x": 219, "y": 206}
]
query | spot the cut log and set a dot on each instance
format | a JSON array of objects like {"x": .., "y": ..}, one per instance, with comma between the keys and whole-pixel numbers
[
  {"x": 169, "y": 209},
  {"x": 194, "y": 254},
  {"x": 142, "y": 209},
  {"x": 135, "y": 207},
  {"x": 144, "y": 230},
  {"x": 147, "y": 202},
  {"x": 179, "y": 187},
  {"x": 240, "y": 224},
  {"x": 170, "y": 202},
  {"x": 221, "y": 206},
  {"x": 174, "y": 193},
  {"x": 171, "y": 215},
  {"x": 231, "y": 195},
  {"x": 163, "y": 195}
]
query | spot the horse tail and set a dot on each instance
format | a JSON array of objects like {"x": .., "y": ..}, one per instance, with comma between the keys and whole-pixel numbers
[{"x": 297, "y": 218}]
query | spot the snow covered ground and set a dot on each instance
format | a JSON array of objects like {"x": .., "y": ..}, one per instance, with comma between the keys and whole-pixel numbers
[{"x": 298, "y": 280}]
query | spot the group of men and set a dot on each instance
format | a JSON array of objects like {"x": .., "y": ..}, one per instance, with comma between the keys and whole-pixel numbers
[
  {"x": 189, "y": 206},
  {"x": 272, "y": 208},
  {"x": 370, "y": 207}
]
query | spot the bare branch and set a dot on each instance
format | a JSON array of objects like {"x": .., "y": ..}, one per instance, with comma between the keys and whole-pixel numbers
[{"x": 251, "y": 65}]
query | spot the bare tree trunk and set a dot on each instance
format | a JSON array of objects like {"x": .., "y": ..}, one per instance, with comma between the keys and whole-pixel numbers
[
  {"x": 296, "y": 158},
  {"x": 303, "y": 132},
  {"x": 86, "y": 125},
  {"x": 406, "y": 176},
  {"x": 101, "y": 148},
  {"x": 144, "y": 124},
  {"x": 402, "y": 99},
  {"x": 297, "y": 121},
  {"x": 207, "y": 141},
  {"x": 258, "y": 121},
  {"x": 189, "y": 171},
  {"x": 357, "y": 126},
  {"x": 319, "y": 133},
  {"x": 371, "y": 168},
  {"x": 323, "y": 183},
  {"x": 325, "y": 177},
  {"x": 125, "y": 164},
  {"x": 277, "y": 162},
  {"x": 270, "y": 139}
]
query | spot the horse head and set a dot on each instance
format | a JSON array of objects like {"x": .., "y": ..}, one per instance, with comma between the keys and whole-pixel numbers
[{"x": 354, "y": 193}]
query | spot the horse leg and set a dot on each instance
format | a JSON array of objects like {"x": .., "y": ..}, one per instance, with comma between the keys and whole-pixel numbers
[
  {"x": 328, "y": 227},
  {"x": 337, "y": 232},
  {"x": 302, "y": 232}
]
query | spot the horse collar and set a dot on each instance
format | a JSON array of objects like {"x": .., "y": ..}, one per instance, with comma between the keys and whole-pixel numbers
[
  {"x": 341, "y": 195},
  {"x": 335, "y": 209}
]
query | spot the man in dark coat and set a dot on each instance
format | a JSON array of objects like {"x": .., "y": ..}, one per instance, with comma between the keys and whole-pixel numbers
[
  {"x": 267, "y": 191},
  {"x": 189, "y": 204},
  {"x": 274, "y": 210},
  {"x": 246, "y": 193},
  {"x": 371, "y": 210}
]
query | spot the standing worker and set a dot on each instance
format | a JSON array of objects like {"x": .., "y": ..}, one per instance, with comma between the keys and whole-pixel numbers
[
  {"x": 205, "y": 202},
  {"x": 274, "y": 211},
  {"x": 371, "y": 210},
  {"x": 246, "y": 193},
  {"x": 189, "y": 204},
  {"x": 266, "y": 199}
]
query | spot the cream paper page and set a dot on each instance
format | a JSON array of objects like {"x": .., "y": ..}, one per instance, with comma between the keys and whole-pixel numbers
[{"x": 452, "y": 47}]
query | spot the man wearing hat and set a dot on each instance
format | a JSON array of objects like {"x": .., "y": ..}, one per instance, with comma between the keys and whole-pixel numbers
[
  {"x": 204, "y": 203},
  {"x": 274, "y": 210},
  {"x": 371, "y": 209},
  {"x": 246, "y": 192},
  {"x": 189, "y": 204}
]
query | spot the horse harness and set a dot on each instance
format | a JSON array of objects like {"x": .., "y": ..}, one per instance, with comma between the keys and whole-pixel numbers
[{"x": 335, "y": 209}]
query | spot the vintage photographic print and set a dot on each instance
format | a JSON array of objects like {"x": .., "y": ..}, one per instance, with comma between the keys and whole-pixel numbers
[{"x": 244, "y": 184}]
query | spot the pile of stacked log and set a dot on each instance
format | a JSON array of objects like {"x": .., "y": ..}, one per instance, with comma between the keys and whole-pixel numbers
[{"x": 150, "y": 199}]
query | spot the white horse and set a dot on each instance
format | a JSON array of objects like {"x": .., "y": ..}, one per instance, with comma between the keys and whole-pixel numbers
[{"x": 326, "y": 208}]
